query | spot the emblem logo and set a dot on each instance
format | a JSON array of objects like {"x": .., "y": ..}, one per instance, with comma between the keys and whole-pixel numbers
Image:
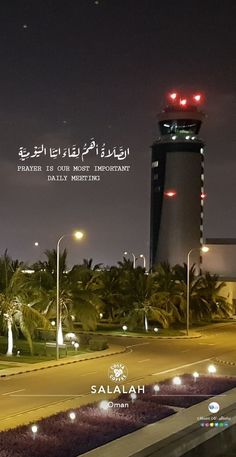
[
  {"x": 214, "y": 407},
  {"x": 118, "y": 372}
]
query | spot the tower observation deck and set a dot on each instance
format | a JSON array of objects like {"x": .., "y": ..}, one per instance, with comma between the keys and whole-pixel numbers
[{"x": 177, "y": 182}]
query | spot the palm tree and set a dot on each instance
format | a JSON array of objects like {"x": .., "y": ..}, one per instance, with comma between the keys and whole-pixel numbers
[
  {"x": 17, "y": 312},
  {"x": 86, "y": 302},
  {"x": 142, "y": 301},
  {"x": 169, "y": 292},
  {"x": 109, "y": 289},
  {"x": 125, "y": 264},
  {"x": 50, "y": 265},
  {"x": 88, "y": 263},
  {"x": 46, "y": 273},
  {"x": 7, "y": 268},
  {"x": 210, "y": 293},
  {"x": 198, "y": 309}
]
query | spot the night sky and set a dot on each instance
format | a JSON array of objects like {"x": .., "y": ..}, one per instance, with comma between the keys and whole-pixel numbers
[{"x": 73, "y": 70}]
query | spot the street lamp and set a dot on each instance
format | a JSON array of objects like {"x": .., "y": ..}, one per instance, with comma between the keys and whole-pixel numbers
[
  {"x": 78, "y": 235},
  {"x": 133, "y": 255},
  {"x": 144, "y": 260},
  {"x": 202, "y": 249}
]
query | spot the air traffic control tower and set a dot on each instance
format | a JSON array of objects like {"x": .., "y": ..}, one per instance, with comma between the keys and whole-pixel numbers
[{"x": 177, "y": 182}]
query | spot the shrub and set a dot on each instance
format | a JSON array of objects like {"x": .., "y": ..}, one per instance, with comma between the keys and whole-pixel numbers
[
  {"x": 84, "y": 339},
  {"x": 98, "y": 344},
  {"x": 45, "y": 335},
  {"x": 58, "y": 436}
]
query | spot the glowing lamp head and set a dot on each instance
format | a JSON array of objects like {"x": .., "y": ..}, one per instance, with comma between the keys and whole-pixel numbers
[
  {"x": 133, "y": 396},
  {"x": 205, "y": 249},
  {"x": 104, "y": 405},
  {"x": 34, "y": 428},
  {"x": 72, "y": 416},
  {"x": 203, "y": 195},
  {"x": 78, "y": 235},
  {"x": 211, "y": 369},
  {"x": 195, "y": 375},
  {"x": 177, "y": 381},
  {"x": 183, "y": 102},
  {"x": 156, "y": 388}
]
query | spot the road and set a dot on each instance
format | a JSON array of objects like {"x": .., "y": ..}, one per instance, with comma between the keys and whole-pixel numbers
[{"x": 33, "y": 395}]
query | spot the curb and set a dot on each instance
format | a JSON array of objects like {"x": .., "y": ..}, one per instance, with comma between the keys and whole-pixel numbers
[
  {"x": 225, "y": 362},
  {"x": 62, "y": 364},
  {"x": 180, "y": 337}
]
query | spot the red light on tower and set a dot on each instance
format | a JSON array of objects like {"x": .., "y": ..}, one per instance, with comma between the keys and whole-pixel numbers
[
  {"x": 203, "y": 195},
  {"x": 197, "y": 98},
  {"x": 170, "y": 193},
  {"x": 183, "y": 102},
  {"x": 173, "y": 96}
]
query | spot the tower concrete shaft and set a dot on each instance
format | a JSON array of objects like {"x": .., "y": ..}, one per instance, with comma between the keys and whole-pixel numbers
[{"x": 177, "y": 186}]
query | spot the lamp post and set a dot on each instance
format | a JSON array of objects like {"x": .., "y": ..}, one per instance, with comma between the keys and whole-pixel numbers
[
  {"x": 203, "y": 249},
  {"x": 36, "y": 244},
  {"x": 144, "y": 260},
  {"x": 78, "y": 236},
  {"x": 133, "y": 255}
]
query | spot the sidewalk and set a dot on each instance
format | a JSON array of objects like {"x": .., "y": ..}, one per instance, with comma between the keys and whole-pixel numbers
[{"x": 27, "y": 368}]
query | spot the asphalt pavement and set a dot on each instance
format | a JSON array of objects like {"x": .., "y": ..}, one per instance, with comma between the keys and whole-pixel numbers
[{"x": 29, "y": 396}]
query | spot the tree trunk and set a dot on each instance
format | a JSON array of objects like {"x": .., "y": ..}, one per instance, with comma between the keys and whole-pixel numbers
[
  {"x": 9, "y": 338},
  {"x": 146, "y": 322},
  {"x": 60, "y": 334}
]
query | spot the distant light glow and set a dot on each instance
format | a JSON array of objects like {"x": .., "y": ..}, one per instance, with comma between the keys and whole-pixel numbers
[
  {"x": 177, "y": 381},
  {"x": 53, "y": 323},
  {"x": 125, "y": 328},
  {"x": 174, "y": 137},
  {"x": 76, "y": 345},
  {"x": 205, "y": 249},
  {"x": 170, "y": 193},
  {"x": 36, "y": 243},
  {"x": 173, "y": 96},
  {"x": 203, "y": 195},
  {"x": 183, "y": 102},
  {"x": 156, "y": 330},
  {"x": 166, "y": 125},
  {"x": 187, "y": 137}
]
